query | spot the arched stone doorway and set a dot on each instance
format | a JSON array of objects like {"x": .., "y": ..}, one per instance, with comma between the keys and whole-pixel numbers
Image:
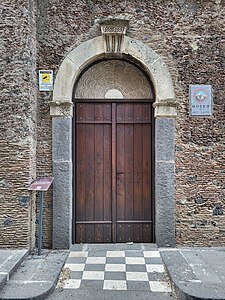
[
  {"x": 113, "y": 154},
  {"x": 62, "y": 111}
]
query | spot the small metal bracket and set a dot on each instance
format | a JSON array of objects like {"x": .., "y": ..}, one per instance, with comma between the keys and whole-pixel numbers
[{"x": 24, "y": 201}]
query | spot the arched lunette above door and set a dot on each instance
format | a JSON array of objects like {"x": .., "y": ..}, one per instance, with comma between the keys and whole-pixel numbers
[
  {"x": 61, "y": 110},
  {"x": 113, "y": 74}
]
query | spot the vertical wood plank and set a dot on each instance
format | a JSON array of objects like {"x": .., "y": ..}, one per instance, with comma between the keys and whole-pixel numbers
[
  {"x": 138, "y": 152},
  {"x": 121, "y": 233},
  {"x": 80, "y": 172},
  {"x": 138, "y": 116},
  {"x": 80, "y": 233},
  {"x": 107, "y": 108},
  {"x": 129, "y": 169},
  {"x": 80, "y": 112},
  {"x": 99, "y": 172},
  {"x": 99, "y": 233},
  {"x": 129, "y": 233},
  {"x": 147, "y": 204},
  {"x": 119, "y": 112},
  {"x": 89, "y": 112},
  {"x": 147, "y": 233},
  {"x": 107, "y": 228},
  {"x": 107, "y": 144},
  {"x": 129, "y": 112},
  {"x": 147, "y": 112},
  {"x": 113, "y": 172},
  {"x": 90, "y": 233},
  {"x": 99, "y": 112},
  {"x": 137, "y": 228},
  {"x": 90, "y": 172}
]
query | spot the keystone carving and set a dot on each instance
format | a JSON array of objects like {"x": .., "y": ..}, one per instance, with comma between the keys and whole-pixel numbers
[{"x": 113, "y": 32}]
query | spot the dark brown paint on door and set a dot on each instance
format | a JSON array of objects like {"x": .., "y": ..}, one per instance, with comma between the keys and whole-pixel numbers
[{"x": 113, "y": 172}]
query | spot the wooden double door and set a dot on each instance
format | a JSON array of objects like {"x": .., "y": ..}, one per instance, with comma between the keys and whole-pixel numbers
[{"x": 113, "y": 172}]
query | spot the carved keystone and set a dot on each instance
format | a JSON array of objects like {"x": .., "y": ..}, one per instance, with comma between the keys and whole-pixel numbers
[{"x": 113, "y": 32}]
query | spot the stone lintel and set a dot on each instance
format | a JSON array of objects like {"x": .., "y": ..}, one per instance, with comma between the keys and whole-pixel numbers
[{"x": 61, "y": 108}]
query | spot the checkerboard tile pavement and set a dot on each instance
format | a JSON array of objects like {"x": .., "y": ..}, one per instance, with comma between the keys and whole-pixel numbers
[{"x": 116, "y": 270}]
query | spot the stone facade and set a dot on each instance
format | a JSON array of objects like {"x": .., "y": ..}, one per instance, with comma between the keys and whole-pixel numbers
[{"x": 188, "y": 36}]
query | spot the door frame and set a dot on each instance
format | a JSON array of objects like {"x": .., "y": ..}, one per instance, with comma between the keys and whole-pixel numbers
[
  {"x": 165, "y": 111},
  {"x": 114, "y": 101}
]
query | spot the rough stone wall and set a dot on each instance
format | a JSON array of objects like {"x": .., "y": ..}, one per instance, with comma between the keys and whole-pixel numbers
[
  {"x": 17, "y": 122},
  {"x": 188, "y": 36}
]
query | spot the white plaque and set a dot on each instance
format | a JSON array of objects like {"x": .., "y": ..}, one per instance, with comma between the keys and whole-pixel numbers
[
  {"x": 45, "y": 80},
  {"x": 200, "y": 100}
]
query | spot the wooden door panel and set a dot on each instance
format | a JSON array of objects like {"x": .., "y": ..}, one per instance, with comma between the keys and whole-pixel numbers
[
  {"x": 134, "y": 207},
  {"x": 93, "y": 173},
  {"x": 113, "y": 172}
]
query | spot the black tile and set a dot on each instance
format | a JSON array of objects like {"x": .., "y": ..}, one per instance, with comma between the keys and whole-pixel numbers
[
  {"x": 76, "y": 275},
  {"x": 134, "y": 253},
  {"x": 97, "y": 253},
  {"x": 136, "y": 268},
  {"x": 94, "y": 267},
  {"x": 115, "y": 275},
  {"x": 76, "y": 260},
  {"x": 153, "y": 260},
  {"x": 115, "y": 260},
  {"x": 92, "y": 284},
  {"x": 138, "y": 286}
]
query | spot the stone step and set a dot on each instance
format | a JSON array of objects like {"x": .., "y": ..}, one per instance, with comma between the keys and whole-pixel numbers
[
  {"x": 10, "y": 260},
  {"x": 36, "y": 278}
]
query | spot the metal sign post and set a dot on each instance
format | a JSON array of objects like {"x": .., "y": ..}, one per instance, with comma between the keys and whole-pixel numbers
[
  {"x": 41, "y": 185},
  {"x": 40, "y": 222}
]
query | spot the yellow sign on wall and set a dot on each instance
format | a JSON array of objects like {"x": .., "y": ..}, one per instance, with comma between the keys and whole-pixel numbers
[
  {"x": 45, "y": 77},
  {"x": 45, "y": 80}
]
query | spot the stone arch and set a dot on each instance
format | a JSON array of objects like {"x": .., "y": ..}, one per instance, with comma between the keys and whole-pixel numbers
[
  {"x": 61, "y": 110},
  {"x": 92, "y": 50}
]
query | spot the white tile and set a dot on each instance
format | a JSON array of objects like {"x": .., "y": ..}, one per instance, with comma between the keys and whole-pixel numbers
[
  {"x": 96, "y": 260},
  {"x": 137, "y": 276},
  {"x": 151, "y": 253},
  {"x": 155, "y": 268},
  {"x": 160, "y": 287},
  {"x": 78, "y": 254},
  {"x": 135, "y": 260},
  {"x": 115, "y": 254},
  {"x": 72, "y": 284},
  {"x": 75, "y": 267},
  {"x": 118, "y": 285},
  {"x": 93, "y": 275},
  {"x": 115, "y": 267}
]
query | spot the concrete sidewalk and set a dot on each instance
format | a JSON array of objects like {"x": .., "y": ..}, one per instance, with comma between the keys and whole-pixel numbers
[
  {"x": 10, "y": 260},
  {"x": 36, "y": 277},
  {"x": 196, "y": 273}
]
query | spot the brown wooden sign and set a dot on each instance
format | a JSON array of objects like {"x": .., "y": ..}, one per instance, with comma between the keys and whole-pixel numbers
[{"x": 41, "y": 184}]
